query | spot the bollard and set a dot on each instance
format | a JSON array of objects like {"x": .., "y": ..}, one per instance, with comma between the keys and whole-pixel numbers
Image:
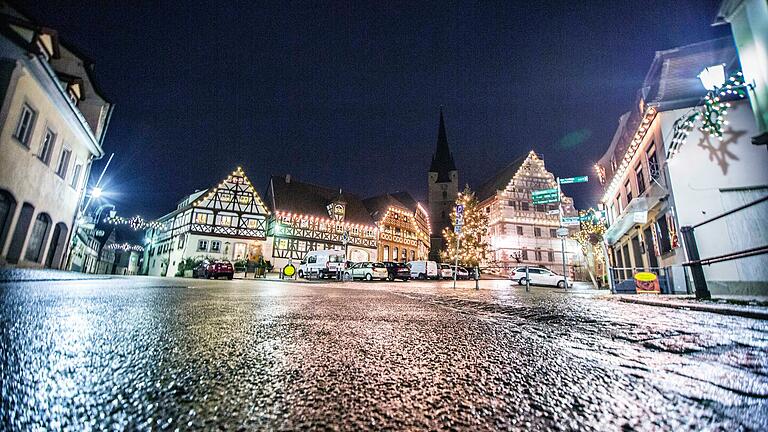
[
  {"x": 527, "y": 280},
  {"x": 477, "y": 278},
  {"x": 699, "y": 281}
]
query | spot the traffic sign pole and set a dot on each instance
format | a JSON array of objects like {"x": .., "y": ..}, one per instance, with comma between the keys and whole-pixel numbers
[
  {"x": 562, "y": 239},
  {"x": 459, "y": 225}
]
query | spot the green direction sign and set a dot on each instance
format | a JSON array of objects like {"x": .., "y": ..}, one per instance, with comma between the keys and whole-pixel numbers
[
  {"x": 571, "y": 220},
  {"x": 552, "y": 191},
  {"x": 546, "y": 200},
  {"x": 569, "y": 180}
]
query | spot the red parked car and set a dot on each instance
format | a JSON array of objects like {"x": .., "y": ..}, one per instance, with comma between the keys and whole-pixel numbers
[{"x": 214, "y": 269}]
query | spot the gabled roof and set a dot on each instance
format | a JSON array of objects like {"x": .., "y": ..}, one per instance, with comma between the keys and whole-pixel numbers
[
  {"x": 235, "y": 193},
  {"x": 442, "y": 160},
  {"x": 292, "y": 196},
  {"x": 378, "y": 205},
  {"x": 501, "y": 179}
]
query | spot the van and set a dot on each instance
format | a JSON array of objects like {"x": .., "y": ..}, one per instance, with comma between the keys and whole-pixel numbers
[
  {"x": 323, "y": 263},
  {"x": 423, "y": 269}
]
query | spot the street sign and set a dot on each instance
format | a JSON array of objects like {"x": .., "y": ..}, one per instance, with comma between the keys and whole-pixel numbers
[
  {"x": 541, "y": 192},
  {"x": 569, "y": 180},
  {"x": 553, "y": 212},
  {"x": 562, "y": 232},
  {"x": 571, "y": 220},
  {"x": 457, "y": 229},
  {"x": 548, "y": 199},
  {"x": 460, "y": 210}
]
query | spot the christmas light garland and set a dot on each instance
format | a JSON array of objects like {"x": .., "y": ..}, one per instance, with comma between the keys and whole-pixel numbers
[
  {"x": 136, "y": 223},
  {"x": 124, "y": 247}
]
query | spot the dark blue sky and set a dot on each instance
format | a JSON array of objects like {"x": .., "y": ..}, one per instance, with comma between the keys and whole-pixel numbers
[{"x": 348, "y": 95}]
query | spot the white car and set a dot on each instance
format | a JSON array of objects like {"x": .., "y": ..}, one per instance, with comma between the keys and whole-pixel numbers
[
  {"x": 446, "y": 272},
  {"x": 424, "y": 270},
  {"x": 323, "y": 263},
  {"x": 462, "y": 272},
  {"x": 366, "y": 270},
  {"x": 537, "y": 276}
]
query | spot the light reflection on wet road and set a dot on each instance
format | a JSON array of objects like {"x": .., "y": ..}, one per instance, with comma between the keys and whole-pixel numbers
[{"x": 154, "y": 353}]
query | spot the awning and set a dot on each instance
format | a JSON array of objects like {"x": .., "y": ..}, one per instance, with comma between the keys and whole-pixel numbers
[{"x": 636, "y": 213}]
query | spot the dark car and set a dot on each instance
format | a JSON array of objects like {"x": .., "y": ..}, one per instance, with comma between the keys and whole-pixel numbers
[
  {"x": 214, "y": 269},
  {"x": 397, "y": 270}
]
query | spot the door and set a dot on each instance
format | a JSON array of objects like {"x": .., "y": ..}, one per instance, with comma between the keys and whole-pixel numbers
[{"x": 649, "y": 249}]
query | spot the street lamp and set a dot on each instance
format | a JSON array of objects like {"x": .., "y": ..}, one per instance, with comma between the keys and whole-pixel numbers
[
  {"x": 96, "y": 192},
  {"x": 713, "y": 77}
]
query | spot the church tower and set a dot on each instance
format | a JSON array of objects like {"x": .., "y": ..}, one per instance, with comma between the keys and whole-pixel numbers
[{"x": 443, "y": 190}]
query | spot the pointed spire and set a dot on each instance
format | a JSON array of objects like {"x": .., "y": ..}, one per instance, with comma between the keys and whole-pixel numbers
[{"x": 442, "y": 160}]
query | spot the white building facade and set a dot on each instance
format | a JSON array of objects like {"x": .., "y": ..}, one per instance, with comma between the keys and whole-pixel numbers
[
  {"x": 520, "y": 232},
  {"x": 227, "y": 222},
  {"x": 662, "y": 172},
  {"x": 52, "y": 123}
]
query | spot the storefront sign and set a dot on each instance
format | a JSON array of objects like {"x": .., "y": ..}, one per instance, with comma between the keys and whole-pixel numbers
[{"x": 647, "y": 283}]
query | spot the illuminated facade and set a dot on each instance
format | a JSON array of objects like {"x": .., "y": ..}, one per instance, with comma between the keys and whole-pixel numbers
[
  {"x": 403, "y": 226},
  {"x": 53, "y": 120},
  {"x": 228, "y": 222},
  {"x": 520, "y": 232},
  {"x": 666, "y": 169},
  {"x": 310, "y": 217}
]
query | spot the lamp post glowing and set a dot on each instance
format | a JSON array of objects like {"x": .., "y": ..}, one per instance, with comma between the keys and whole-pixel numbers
[
  {"x": 713, "y": 77},
  {"x": 97, "y": 192}
]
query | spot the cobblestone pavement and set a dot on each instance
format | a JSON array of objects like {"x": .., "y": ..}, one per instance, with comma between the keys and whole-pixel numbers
[{"x": 152, "y": 353}]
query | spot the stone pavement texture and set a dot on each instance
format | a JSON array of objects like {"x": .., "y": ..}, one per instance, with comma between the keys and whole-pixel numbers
[{"x": 152, "y": 353}]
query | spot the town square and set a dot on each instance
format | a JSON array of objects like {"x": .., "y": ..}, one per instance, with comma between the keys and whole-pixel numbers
[{"x": 384, "y": 216}]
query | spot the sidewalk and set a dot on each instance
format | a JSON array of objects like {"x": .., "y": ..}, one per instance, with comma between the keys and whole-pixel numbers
[
  {"x": 748, "y": 307},
  {"x": 41, "y": 275}
]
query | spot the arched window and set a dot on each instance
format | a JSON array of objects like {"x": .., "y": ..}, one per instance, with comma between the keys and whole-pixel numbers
[
  {"x": 56, "y": 249},
  {"x": 445, "y": 195},
  {"x": 7, "y": 207},
  {"x": 37, "y": 238}
]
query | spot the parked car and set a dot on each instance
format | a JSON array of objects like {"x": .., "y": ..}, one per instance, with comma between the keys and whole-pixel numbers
[
  {"x": 324, "y": 263},
  {"x": 537, "y": 276},
  {"x": 446, "y": 272},
  {"x": 424, "y": 270},
  {"x": 366, "y": 270},
  {"x": 396, "y": 270},
  {"x": 214, "y": 269},
  {"x": 462, "y": 273}
]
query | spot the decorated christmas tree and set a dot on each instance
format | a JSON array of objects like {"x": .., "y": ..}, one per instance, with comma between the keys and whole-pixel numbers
[
  {"x": 472, "y": 246},
  {"x": 590, "y": 238}
]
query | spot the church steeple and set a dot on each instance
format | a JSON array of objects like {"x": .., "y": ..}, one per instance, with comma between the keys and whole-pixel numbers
[{"x": 442, "y": 160}]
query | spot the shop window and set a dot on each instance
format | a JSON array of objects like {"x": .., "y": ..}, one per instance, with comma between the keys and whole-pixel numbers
[{"x": 519, "y": 230}]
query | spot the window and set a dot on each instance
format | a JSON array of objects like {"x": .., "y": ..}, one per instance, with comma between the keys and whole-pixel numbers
[
  {"x": 37, "y": 238},
  {"x": 519, "y": 230},
  {"x": 540, "y": 208},
  {"x": 445, "y": 195},
  {"x": 76, "y": 175},
  {"x": 201, "y": 218},
  {"x": 413, "y": 255},
  {"x": 395, "y": 255},
  {"x": 252, "y": 223},
  {"x": 537, "y": 232},
  {"x": 512, "y": 204},
  {"x": 618, "y": 202},
  {"x": 202, "y": 245},
  {"x": 225, "y": 196},
  {"x": 552, "y": 232},
  {"x": 245, "y": 198},
  {"x": 550, "y": 256},
  {"x": 640, "y": 177},
  {"x": 386, "y": 253},
  {"x": 653, "y": 163},
  {"x": 181, "y": 242},
  {"x": 628, "y": 190},
  {"x": 524, "y": 206},
  {"x": 538, "y": 255},
  {"x": 61, "y": 170},
  {"x": 224, "y": 221},
  {"x": 26, "y": 123},
  {"x": 46, "y": 147},
  {"x": 525, "y": 254},
  {"x": 215, "y": 246}
]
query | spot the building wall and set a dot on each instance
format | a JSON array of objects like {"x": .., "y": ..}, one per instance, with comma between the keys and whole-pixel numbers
[
  {"x": 442, "y": 199},
  {"x": 709, "y": 177},
  {"x": 22, "y": 172}
]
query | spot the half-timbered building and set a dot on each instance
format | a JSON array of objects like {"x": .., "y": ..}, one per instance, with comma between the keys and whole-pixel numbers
[
  {"x": 228, "y": 221},
  {"x": 403, "y": 225},
  {"x": 309, "y": 217},
  {"x": 520, "y": 232}
]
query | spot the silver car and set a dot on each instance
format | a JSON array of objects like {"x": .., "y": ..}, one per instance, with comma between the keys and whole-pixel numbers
[{"x": 366, "y": 270}]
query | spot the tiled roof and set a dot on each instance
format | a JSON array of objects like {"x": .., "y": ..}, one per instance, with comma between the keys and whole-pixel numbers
[
  {"x": 312, "y": 200},
  {"x": 379, "y": 204},
  {"x": 500, "y": 180},
  {"x": 442, "y": 160}
]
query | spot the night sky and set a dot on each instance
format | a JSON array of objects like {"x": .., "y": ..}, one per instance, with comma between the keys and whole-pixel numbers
[{"x": 348, "y": 95}]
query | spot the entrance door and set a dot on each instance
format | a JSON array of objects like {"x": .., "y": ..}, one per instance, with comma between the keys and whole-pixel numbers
[{"x": 649, "y": 249}]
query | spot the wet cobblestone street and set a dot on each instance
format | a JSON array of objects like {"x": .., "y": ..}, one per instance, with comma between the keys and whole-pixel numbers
[{"x": 171, "y": 353}]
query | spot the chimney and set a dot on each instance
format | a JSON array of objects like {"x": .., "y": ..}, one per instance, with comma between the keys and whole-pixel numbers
[{"x": 287, "y": 178}]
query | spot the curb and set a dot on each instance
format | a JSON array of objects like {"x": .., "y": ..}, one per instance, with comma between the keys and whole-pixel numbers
[{"x": 745, "y": 313}]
